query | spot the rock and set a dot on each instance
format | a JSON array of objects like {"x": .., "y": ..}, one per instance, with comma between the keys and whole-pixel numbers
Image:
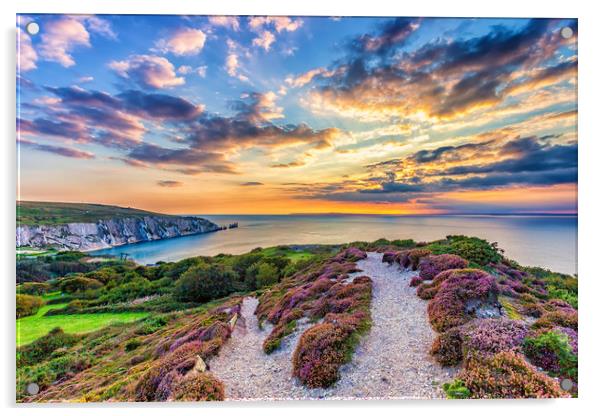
[
  {"x": 112, "y": 232},
  {"x": 199, "y": 365}
]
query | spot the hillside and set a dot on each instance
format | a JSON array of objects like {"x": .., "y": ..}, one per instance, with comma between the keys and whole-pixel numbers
[
  {"x": 388, "y": 319},
  {"x": 85, "y": 227},
  {"x": 54, "y": 213}
]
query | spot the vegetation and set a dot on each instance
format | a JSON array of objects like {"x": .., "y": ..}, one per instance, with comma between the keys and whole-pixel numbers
[
  {"x": 28, "y": 305},
  {"x": 54, "y": 213},
  {"x": 127, "y": 332}
]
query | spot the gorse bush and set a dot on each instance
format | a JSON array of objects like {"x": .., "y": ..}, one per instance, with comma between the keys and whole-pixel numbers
[{"x": 28, "y": 305}]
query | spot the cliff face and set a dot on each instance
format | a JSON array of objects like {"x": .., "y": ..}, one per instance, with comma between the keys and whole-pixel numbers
[{"x": 111, "y": 232}]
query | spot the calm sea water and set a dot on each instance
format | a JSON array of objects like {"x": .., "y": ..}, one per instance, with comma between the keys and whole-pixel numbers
[{"x": 547, "y": 241}]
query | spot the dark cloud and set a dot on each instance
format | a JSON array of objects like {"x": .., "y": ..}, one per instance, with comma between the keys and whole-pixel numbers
[
  {"x": 159, "y": 106},
  {"x": 251, "y": 184},
  {"x": 392, "y": 34},
  {"x": 294, "y": 164},
  {"x": 169, "y": 184},
  {"x": 57, "y": 150},
  {"x": 118, "y": 121},
  {"x": 528, "y": 161},
  {"x": 443, "y": 78},
  {"x": 193, "y": 161}
]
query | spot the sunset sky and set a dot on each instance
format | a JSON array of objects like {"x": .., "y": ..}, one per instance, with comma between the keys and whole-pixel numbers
[{"x": 237, "y": 115}]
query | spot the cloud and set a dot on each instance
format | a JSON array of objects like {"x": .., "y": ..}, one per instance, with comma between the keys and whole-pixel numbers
[
  {"x": 392, "y": 34},
  {"x": 57, "y": 150},
  {"x": 225, "y": 21},
  {"x": 147, "y": 71},
  {"x": 77, "y": 114},
  {"x": 251, "y": 184},
  {"x": 232, "y": 64},
  {"x": 183, "y": 42},
  {"x": 60, "y": 37},
  {"x": 476, "y": 166},
  {"x": 169, "y": 184},
  {"x": 280, "y": 23},
  {"x": 443, "y": 79},
  {"x": 26, "y": 54},
  {"x": 202, "y": 71},
  {"x": 264, "y": 40},
  {"x": 294, "y": 164},
  {"x": 85, "y": 79},
  {"x": 265, "y": 37},
  {"x": 307, "y": 77},
  {"x": 258, "y": 107},
  {"x": 98, "y": 25},
  {"x": 184, "y": 160}
]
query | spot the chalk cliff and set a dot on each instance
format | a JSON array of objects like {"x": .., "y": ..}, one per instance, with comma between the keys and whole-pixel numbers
[{"x": 111, "y": 232}]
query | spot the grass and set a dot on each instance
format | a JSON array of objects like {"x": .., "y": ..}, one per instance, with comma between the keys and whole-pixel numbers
[
  {"x": 292, "y": 255},
  {"x": 53, "y": 213},
  {"x": 33, "y": 327}
]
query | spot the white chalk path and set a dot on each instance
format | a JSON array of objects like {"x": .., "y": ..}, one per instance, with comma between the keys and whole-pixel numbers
[{"x": 391, "y": 361}]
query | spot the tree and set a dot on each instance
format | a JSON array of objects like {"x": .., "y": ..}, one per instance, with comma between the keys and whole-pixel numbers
[{"x": 203, "y": 282}]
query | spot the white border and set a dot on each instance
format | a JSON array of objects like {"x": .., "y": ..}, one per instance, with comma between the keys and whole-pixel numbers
[{"x": 590, "y": 190}]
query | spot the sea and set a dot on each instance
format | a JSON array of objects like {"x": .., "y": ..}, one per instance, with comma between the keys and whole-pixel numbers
[{"x": 548, "y": 241}]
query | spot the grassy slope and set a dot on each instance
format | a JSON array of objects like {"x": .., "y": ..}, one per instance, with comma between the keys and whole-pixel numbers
[
  {"x": 293, "y": 255},
  {"x": 51, "y": 213},
  {"x": 33, "y": 327}
]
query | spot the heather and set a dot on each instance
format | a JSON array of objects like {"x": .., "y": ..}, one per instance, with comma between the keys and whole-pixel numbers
[
  {"x": 509, "y": 330},
  {"x": 466, "y": 294},
  {"x": 325, "y": 294},
  {"x": 507, "y": 375},
  {"x": 493, "y": 318}
]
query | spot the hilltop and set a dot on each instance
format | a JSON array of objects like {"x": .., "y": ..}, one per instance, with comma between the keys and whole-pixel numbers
[{"x": 55, "y": 213}]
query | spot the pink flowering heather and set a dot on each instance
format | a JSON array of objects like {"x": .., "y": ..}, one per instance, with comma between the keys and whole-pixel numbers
[
  {"x": 430, "y": 266},
  {"x": 490, "y": 336},
  {"x": 460, "y": 297}
]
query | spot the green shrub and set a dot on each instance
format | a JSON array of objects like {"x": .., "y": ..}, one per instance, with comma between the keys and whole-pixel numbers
[
  {"x": 456, "y": 390},
  {"x": 267, "y": 275},
  {"x": 78, "y": 284},
  {"x": 28, "y": 305},
  {"x": 204, "y": 282},
  {"x": 552, "y": 351},
  {"x": 34, "y": 288},
  {"x": 132, "y": 344},
  {"x": 473, "y": 249},
  {"x": 151, "y": 325},
  {"x": 42, "y": 348}
]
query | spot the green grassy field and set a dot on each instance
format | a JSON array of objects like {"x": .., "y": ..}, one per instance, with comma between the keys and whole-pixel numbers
[
  {"x": 293, "y": 255},
  {"x": 52, "y": 213},
  {"x": 33, "y": 327}
]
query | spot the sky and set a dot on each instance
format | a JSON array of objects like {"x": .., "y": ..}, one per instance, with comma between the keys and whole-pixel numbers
[{"x": 279, "y": 115}]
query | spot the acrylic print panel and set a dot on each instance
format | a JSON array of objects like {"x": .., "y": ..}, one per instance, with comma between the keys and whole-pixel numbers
[{"x": 279, "y": 208}]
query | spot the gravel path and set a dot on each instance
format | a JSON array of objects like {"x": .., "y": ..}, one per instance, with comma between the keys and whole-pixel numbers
[{"x": 391, "y": 362}]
